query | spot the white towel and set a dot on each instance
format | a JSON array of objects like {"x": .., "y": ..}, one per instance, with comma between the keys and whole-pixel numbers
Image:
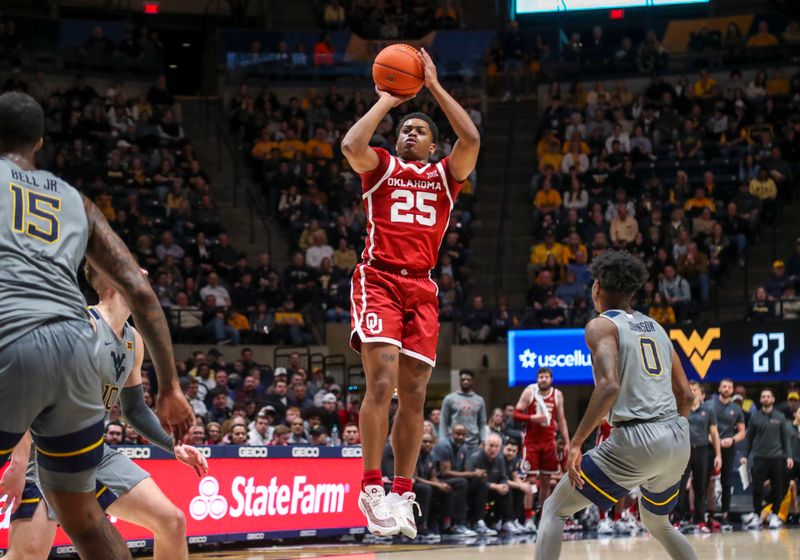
[{"x": 541, "y": 407}]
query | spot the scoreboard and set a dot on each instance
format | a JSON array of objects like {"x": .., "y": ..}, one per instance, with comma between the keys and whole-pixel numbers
[
  {"x": 745, "y": 352},
  {"x": 545, "y": 6}
]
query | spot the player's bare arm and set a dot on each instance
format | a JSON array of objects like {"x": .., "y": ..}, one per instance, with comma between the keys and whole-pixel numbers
[
  {"x": 603, "y": 341},
  {"x": 355, "y": 144},
  {"x": 12, "y": 483},
  {"x": 561, "y": 420},
  {"x": 107, "y": 253},
  {"x": 715, "y": 443},
  {"x": 465, "y": 151},
  {"x": 680, "y": 387},
  {"x": 186, "y": 454},
  {"x": 741, "y": 431}
]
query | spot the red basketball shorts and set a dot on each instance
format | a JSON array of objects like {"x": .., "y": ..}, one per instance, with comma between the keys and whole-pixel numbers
[
  {"x": 395, "y": 309},
  {"x": 540, "y": 457}
]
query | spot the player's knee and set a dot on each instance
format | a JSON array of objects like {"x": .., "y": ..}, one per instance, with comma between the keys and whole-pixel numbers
[
  {"x": 29, "y": 549},
  {"x": 413, "y": 398},
  {"x": 380, "y": 390},
  {"x": 85, "y": 528},
  {"x": 172, "y": 523}
]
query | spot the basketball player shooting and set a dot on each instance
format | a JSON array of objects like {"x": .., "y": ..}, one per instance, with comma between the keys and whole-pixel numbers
[
  {"x": 395, "y": 310},
  {"x": 124, "y": 489},
  {"x": 640, "y": 383}
]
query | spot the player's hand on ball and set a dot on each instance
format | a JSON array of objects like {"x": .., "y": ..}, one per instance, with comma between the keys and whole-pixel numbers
[
  {"x": 396, "y": 101},
  {"x": 175, "y": 413},
  {"x": 12, "y": 484},
  {"x": 192, "y": 457},
  {"x": 574, "y": 466},
  {"x": 431, "y": 78}
]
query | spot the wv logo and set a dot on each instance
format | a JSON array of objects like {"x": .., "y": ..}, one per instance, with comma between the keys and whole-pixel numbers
[
  {"x": 119, "y": 364},
  {"x": 696, "y": 348}
]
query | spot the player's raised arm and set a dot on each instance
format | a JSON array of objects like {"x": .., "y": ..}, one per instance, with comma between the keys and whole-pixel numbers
[
  {"x": 355, "y": 144},
  {"x": 680, "y": 387},
  {"x": 465, "y": 151},
  {"x": 108, "y": 254}
]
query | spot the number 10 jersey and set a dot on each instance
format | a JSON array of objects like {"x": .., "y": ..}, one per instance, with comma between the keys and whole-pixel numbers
[{"x": 408, "y": 207}]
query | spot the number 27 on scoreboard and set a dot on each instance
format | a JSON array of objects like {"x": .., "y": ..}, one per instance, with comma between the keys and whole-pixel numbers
[{"x": 762, "y": 343}]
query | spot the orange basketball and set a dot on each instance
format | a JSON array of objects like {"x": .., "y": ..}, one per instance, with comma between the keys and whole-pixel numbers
[{"x": 398, "y": 70}]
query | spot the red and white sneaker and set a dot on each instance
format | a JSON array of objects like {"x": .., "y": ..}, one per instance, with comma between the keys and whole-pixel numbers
[
  {"x": 380, "y": 519},
  {"x": 403, "y": 509}
]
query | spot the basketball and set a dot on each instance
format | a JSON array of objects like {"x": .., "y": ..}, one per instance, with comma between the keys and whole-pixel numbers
[{"x": 398, "y": 70}]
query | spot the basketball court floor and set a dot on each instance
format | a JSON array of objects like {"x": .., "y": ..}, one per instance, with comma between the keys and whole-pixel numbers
[{"x": 783, "y": 544}]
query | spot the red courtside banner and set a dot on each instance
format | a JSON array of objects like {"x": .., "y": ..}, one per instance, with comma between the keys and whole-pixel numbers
[{"x": 248, "y": 495}]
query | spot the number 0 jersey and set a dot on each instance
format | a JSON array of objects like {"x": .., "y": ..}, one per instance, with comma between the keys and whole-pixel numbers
[
  {"x": 408, "y": 207},
  {"x": 43, "y": 236},
  {"x": 645, "y": 369}
]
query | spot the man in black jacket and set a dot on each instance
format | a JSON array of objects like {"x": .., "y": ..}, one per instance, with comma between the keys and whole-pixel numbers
[{"x": 768, "y": 441}]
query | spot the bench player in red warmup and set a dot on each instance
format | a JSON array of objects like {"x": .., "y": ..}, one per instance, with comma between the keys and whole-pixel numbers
[{"x": 395, "y": 308}]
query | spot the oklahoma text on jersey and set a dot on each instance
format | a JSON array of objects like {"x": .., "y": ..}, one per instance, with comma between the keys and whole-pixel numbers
[{"x": 393, "y": 299}]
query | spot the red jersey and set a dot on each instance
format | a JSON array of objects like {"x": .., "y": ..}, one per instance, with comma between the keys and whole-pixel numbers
[
  {"x": 535, "y": 432},
  {"x": 408, "y": 207}
]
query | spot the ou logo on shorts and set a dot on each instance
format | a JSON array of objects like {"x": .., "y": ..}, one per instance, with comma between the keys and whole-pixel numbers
[{"x": 374, "y": 324}]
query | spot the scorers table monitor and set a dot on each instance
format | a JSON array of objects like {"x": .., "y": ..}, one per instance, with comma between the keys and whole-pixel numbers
[{"x": 546, "y": 6}]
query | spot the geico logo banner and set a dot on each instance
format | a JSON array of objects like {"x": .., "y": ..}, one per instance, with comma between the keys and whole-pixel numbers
[
  {"x": 305, "y": 452},
  {"x": 137, "y": 544},
  {"x": 135, "y": 452},
  {"x": 348, "y": 452},
  {"x": 250, "y": 452},
  {"x": 198, "y": 540},
  {"x": 308, "y": 533},
  {"x": 255, "y": 536}
]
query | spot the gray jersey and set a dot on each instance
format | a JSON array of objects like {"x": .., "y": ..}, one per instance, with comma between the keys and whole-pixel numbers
[
  {"x": 43, "y": 239},
  {"x": 645, "y": 369},
  {"x": 116, "y": 357}
]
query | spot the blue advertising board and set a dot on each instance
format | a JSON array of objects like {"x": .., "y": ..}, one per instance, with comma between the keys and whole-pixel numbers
[
  {"x": 562, "y": 350},
  {"x": 744, "y": 352}
]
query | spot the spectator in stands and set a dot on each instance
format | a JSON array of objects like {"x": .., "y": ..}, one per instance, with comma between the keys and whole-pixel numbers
[
  {"x": 551, "y": 315},
  {"x": 476, "y": 324},
  {"x": 334, "y": 15},
  {"x": 778, "y": 282},
  {"x": 115, "y": 432},
  {"x": 318, "y": 251},
  {"x": 278, "y": 399},
  {"x": 693, "y": 266},
  {"x": 498, "y": 492},
  {"x": 661, "y": 311},
  {"x": 192, "y": 392},
  {"x": 761, "y": 308},
  {"x": 513, "y": 51},
  {"x": 764, "y": 188},
  {"x": 624, "y": 227},
  {"x": 541, "y": 251},
  {"x": 464, "y": 407},
  {"x": 677, "y": 292},
  {"x": 324, "y": 51},
  {"x": 299, "y": 435},
  {"x": 705, "y": 85},
  {"x": 97, "y": 45},
  {"x": 281, "y": 436},
  {"x": 219, "y": 410},
  {"x": 763, "y": 38},
  {"x": 262, "y": 432}
]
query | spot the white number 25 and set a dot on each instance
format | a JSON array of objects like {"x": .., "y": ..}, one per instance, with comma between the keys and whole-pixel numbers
[{"x": 406, "y": 201}]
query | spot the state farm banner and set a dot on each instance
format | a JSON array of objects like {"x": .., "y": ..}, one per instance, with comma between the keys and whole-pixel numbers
[{"x": 250, "y": 493}]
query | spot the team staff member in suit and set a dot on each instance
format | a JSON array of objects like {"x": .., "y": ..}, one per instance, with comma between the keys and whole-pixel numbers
[
  {"x": 702, "y": 432},
  {"x": 769, "y": 444},
  {"x": 730, "y": 424}
]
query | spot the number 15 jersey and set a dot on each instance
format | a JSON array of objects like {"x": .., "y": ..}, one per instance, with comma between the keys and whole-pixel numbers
[{"x": 408, "y": 207}]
